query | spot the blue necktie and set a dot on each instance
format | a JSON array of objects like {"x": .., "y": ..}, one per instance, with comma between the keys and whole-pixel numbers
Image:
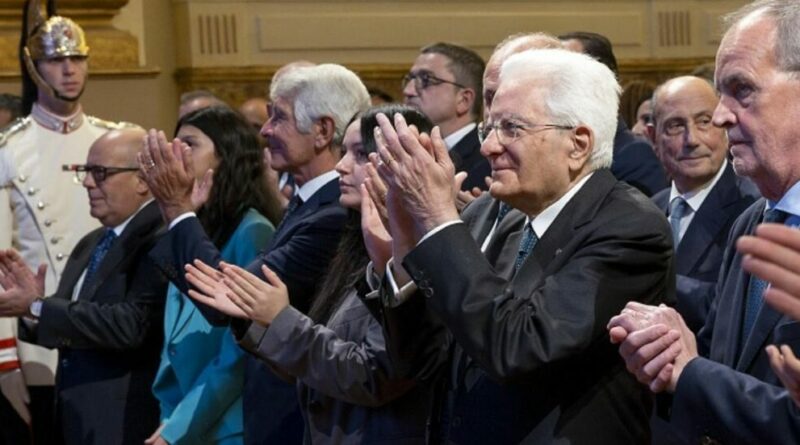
[
  {"x": 502, "y": 211},
  {"x": 100, "y": 251},
  {"x": 678, "y": 208},
  {"x": 755, "y": 291},
  {"x": 529, "y": 239},
  {"x": 294, "y": 204}
]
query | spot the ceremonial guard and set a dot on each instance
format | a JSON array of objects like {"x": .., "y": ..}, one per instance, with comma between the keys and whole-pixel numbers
[{"x": 43, "y": 211}]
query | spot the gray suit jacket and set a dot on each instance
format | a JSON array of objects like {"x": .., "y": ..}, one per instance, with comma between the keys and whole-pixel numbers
[{"x": 349, "y": 391}]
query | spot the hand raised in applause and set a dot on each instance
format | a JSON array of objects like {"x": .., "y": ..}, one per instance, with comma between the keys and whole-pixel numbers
[
  {"x": 374, "y": 220},
  {"x": 168, "y": 169},
  {"x": 260, "y": 300},
  {"x": 211, "y": 289},
  {"x": 773, "y": 255},
  {"x": 787, "y": 368},
  {"x": 655, "y": 343},
  {"x": 156, "y": 438},
  {"x": 20, "y": 286}
]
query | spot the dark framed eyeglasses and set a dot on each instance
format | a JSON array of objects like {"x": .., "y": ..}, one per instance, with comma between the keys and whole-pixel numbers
[
  {"x": 98, "y": 172},
  {"x": 423, "y": 80},
  {"x": 509, "y": 131}
]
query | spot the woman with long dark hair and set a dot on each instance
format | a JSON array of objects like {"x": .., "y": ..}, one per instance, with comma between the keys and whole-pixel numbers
[
  {"x": 200, "y": 379},
  {"x": 348, "y": 389}
]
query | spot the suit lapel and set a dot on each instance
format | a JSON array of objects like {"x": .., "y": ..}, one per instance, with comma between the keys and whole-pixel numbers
[
  {"x": 327, "y": 193},
  {"x": 126, "y": 242},
  {"x": 732, "y": 352},
  {"x": 578, "y": 211},
  {"x": 707, "y": 223},
  {"x": 77, "y": 264},
  {"x": 183, "y": 316}
]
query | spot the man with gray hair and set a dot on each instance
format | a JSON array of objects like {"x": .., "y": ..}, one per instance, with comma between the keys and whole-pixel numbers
[
  {"x": 309, "y": 109},
  {"x": 721, "y": 385},
  {"x": 529, "y": 359}
]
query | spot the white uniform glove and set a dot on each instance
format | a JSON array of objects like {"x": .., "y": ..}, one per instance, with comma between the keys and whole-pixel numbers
[{"x": 12, "y": 385}]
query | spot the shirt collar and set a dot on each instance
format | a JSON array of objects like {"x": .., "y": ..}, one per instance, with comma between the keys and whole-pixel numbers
[
  {"x": 459, "y": 134},
  {"x": 307, "y": 190},
  {"x": 696, "y": 197},
  {"x": 789, "y": 203},
  {"x": 543, "y": 220},
  {"x": 61, "y": 124}
]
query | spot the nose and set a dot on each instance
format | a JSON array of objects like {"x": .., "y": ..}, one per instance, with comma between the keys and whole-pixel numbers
[
  {"x": 266, "y": 129},
  {"x": 69, "y": 65},
  {"x": 409, "y": 90},
  {"x": 690, "y": 137},
  {"x": 723, "y": 116},
  {"x": 344, "y": 164},
  {"x": 491, "y": 146},
  {"x": 88, "y": 181}
]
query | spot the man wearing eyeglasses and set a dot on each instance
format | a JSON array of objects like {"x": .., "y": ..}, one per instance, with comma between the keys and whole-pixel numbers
[
  {"x": 43, "y": 212},
  {"x": 705, "y": 197},
  {"x": 529, "y": 358},
  {"x": 105, "y": 316},
  {"x": 445, "y": 83}
]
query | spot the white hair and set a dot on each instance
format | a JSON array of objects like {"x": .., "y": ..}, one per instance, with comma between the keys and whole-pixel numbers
[
  {"x": 326, "y": 90},
  {"x": 577, "y": 89}
]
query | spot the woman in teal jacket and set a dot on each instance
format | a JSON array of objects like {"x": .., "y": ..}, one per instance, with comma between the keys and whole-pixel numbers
[{"x": 200, "y": 378}]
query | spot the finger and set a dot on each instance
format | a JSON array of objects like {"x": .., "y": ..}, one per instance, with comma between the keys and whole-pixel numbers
[
  {"x": 661, "y": 381},
  {"x": 151, "y": 147},
  {"x": 392, "y": 148},
  {"x": 631, "y": 348},
  {"x": 617, "y": 334},
  {"x": 770, "y": 252},
  {"x": 241, "y": 291},
  {"x": 783, "y": 301},
  {"x": 248, "y": 286},
  {"x": 208, "y": 270},
  {"x": 165, "y": 149},
  {"x": 272, "y": 277},
  {"x": 773, "y": 272},
  {"x": 458, "y": 180},
  {"x": 409, "y": 141},
  {"x": 652, "y": 368},
  {"x": 186, "y": 155},
  {"x": 780, "y": 234},
  {"x": 200, "y": 280},
  {"x": 440, "y": 152},
  {"x": 203, "y": 299}
]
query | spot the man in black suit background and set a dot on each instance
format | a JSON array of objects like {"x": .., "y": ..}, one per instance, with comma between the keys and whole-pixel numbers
[
  {"x": 310, "y": 108},
  {"x": 705, "y": 197},
  {"x": 105, "y": 317},
  {"x": 445, "y": 84},
  {"x": 532, "y": 363},
  {"x": 634, "y": 160}
]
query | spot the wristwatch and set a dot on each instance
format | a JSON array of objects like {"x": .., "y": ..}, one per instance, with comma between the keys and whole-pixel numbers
[{"x": 36, "y": 308}]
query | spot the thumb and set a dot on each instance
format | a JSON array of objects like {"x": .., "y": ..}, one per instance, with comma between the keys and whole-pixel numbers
[
  {"x": 272, "y": 277},
  {"x": 41, "y": 272},
  {"x": 459, "y": 180}
]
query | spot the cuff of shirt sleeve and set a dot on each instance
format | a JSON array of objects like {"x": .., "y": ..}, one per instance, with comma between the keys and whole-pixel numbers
[
  {"x": 181, "y": 218},
  {"x": 397, "y": 296},
  {"x": 438, "y": 229},
  {"x": 252, "y": 337}
]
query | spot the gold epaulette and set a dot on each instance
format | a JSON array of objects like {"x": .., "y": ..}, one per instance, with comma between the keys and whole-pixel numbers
[
  {"x": 109, "y": 125},
  {"x": 14, "y": 127}
]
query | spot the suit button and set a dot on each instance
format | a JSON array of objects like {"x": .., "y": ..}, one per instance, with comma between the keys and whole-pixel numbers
[
  {"x": 32, "y": 191},
  {"x": 64, "y": 363},
  {"x": 172, "y": 352},
  {"x": 59, "y": 256},
  {"x": 48, "y": 222},
  {"x": 40, "y": 205},
  {"x": 23, "y": 178},
  {"x": 55, "y": 240}
]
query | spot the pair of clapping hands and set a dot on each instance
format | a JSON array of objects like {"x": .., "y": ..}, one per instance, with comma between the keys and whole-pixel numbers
[{"x": 656, "y": 344}]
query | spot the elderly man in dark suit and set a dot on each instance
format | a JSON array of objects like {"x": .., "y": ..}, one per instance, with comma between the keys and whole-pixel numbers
[
  {"x": 528, "y": 357},
  {"x": 721, "y": 385},
  {"x": 105, "y": 316},
  {"x": 310, "y": 109},
  {"x": 706, "y": 196}
]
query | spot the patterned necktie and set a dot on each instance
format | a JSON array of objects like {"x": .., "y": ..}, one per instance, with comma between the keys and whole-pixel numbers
[
  {"x": 502, "y": 211},
  {"x": 678, "y": 208},
  {"x": 529, "y": 239},
  {"x": 294, "y": 204},
  {"x": 100, "y": 251},
  {"x": 755, "y": 291}
]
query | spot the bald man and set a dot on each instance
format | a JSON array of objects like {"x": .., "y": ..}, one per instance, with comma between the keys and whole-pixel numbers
[
  {"x": 104, "y": 317},
  {"x": 705, "y": 196}
]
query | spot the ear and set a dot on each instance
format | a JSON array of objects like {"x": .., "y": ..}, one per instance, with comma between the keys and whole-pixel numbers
[
  {"x": 464, "y": 101},
  {"x": 141, "y": 187},
  {"x": 581, "y": 149},
  {"x": 324, "y": 129}
]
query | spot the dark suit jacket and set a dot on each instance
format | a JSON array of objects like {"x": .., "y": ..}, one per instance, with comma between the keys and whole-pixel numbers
[
  {"x": 537, "y": 365},
  {"x": 109, "y": 340},
  {"x": 299, "y": 253},
  {"x": 699, "y": 255},
  {"x": 636, "y": 163},
  {"x": 466, "y": 156},
  {"x": 730, "y": 393}
]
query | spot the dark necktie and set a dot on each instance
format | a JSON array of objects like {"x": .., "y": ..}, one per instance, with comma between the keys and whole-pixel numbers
[
  {"x": 529, "y": 239},
  {"x": 294, "y": 204},
  {"x": 678, "y": 208},
  {"x": 755, "y": 291},
  {"x": 502, "y": 211},
  {"x": 100, "y": 251}
]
